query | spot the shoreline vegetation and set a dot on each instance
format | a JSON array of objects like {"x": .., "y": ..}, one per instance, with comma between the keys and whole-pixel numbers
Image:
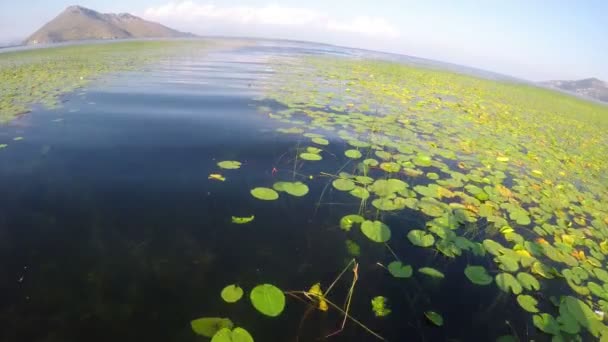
[{"x": 41, "y": 76}]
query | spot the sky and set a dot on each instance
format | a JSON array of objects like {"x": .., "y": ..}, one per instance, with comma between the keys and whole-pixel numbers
[{"x": 534, "y": 40}]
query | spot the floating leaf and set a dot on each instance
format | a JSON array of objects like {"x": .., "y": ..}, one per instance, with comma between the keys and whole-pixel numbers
[
  {"x": 217, "y": 177},
  {"x": 376, "y": 231},
  {"x": 229, "y": 164},
  {"x": 209, "y": 326},
  {"x": 236, "y": 335},
  {"x": 431, "y": 272},
  {"x": 528, "y": 303},
  {"x": 343, "y": 184},
  {"x": 242, "y": 220},
  {"x": 528, "y": 281},
  {"x": 546, "y": 323},
  {"x": 478, "y": 275},
  {"x": 268, "y": 299},
  {"x": 420, "y": 238},
  {"x": 353, "y": 248},
  {"x": 353, "y": 154},
  {"x": 310, "y": 156},
  {"x": 360, "y": 192},
  {"x": 297, "y": 189},
  {"x": 399, "y": 270},
  {"x": 390, "y": 167},
  {"x": 265, "y": 194},
  {"x": 232, "y": 293},
  {"x": 380, "y": 307},
  {"x": 320, "y": 141},
  {"x": 346, "y": 222},
  {"x": 583, "y": 315},
  {"x": 434, "y": 317},
  {"x": 508, "y": 283}
]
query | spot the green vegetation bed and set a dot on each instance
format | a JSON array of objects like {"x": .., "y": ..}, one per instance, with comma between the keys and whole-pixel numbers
[
  {"x": 509, "y": 176},
  {"x": 40, "y": 76}
]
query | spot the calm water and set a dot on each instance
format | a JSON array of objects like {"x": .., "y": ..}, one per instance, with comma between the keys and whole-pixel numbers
[{"x": 111, "y": 231}]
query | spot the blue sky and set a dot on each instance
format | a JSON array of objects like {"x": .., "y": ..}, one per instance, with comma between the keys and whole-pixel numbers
[{"x": 535, "y": 40}]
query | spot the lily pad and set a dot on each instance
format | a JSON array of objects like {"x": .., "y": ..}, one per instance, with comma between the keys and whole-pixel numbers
[
  {"x": 528, "y": 281},
  {"x": 431, "y": 272},
  {"x": 265, "y": 194},
  {"x": 343, "y": 184},
  {"x": 434, "y": 317},
  {"x": 478, "y": 275},
  {"x": 209, "y": 326},
  {"x": 320, "y": 141},
  {"x": 229, "y": 164},
  {"x": 236, "y": 335},
  {"x": 508, "y": 283},
  {"x": 242, "y": 220},
  {"x": 353, "y": 154},
  {"x": 528, "y": 303},
  {"x": 310, "y": 156},
  {"x": 376, "y": 231},
  {"x": 297, "y": 189},
  {"x": 346, "y": 222},
  {"x": 399, "y": 270},
  {"x": 420, "y": 238},
  {"x": 268, "y": 299},
  {"x": 232, "y": 293},
  {"x": 546, "y": 323}
]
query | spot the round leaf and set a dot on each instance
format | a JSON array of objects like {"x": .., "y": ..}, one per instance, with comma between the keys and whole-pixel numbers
[
  {"x": 399, "y": 270},
  {"x": 528, "y": 303},
  {"x": 420, "y": 238},
  {"x": 353, "y": 154},
  {"x": 508, "y": 283},
  {"x": 376, "y": 231},
  {"x": 478, "y": 275},
  {"x": 209, "y": 326},
  {"x": 431, "y": 272},
  {"x": 434, "y": 317},
  {"x": 268, "y": 299},
  {"x": 232, "y": 293},
  {"x": 229, "y": 164},
  {"x": 236, "y": 335},
  {"x": 343, "y": 184},
  {"x": 265, "y": 194}
]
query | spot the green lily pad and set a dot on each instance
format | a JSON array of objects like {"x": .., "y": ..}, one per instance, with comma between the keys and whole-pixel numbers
[
  {"x": 229, "y": 164},
  {"x": 583, "y": 314},
  {"x": 209, "y": 326},
  {"x": 360, "y": 192},
  {"x": 346, "y": 222},
  {"x": 310, "y": 156},
  {"x": 528, "y": 281},
  {"x": 434, "y": 317},
  {"x": 420, "y": 238},
  {"x": 507, "y": 263},
  {"x": 390, "y": 167},
  {"x": 353, "y": 154},
  {"x": 236, "y": 335},
  {"x": 431, "y": 272},
  {"x": 265, "y": 194},
  {"x": 343, "y": 184},
  {"x": 232, "y": 293},
  {"x": 478, "y": 275},
  {"x": 546, "y": 323},
  {"x": 242, "y": 220},
  {"x": 508, "y": 283},
  {"x": 528, "y": 303},
  {"x": 376, "y": 231},
  {"x": 320, "y": 141},
  {"x": 297, "y": 189},
  {"x": 268, "y": 299},
  {"x": 371, "y": 162},
  {"x": 399, "y": 270}
]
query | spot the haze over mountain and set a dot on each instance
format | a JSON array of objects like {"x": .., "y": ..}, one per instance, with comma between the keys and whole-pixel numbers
[
  {"x": 79, "y": 23},
  {"x": 589, "y": 87}
]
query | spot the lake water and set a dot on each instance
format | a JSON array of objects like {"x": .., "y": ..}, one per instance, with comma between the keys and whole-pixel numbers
[{"x": 110, "y": 229}]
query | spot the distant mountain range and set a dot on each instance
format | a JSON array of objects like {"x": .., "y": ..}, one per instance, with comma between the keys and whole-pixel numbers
[
  {"x": 79, "y": 23},
  {"x": 589, "y": 87}
]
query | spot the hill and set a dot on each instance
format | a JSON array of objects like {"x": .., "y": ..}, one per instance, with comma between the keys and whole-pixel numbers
[
  {"x": 589, "y": 87},
  {"x": 79, "y": 23}
]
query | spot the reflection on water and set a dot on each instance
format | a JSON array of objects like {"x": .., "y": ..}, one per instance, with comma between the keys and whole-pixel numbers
[{"x": 110, "y": 229}]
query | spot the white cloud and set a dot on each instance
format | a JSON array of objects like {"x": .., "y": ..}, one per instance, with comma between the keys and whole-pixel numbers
[{"x": 191, "y": 13}]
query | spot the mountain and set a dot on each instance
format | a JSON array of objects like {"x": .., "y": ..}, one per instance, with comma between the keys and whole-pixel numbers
[
  {"x": 589, "y": 87},
  {"x": 79, "y": 23}
]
